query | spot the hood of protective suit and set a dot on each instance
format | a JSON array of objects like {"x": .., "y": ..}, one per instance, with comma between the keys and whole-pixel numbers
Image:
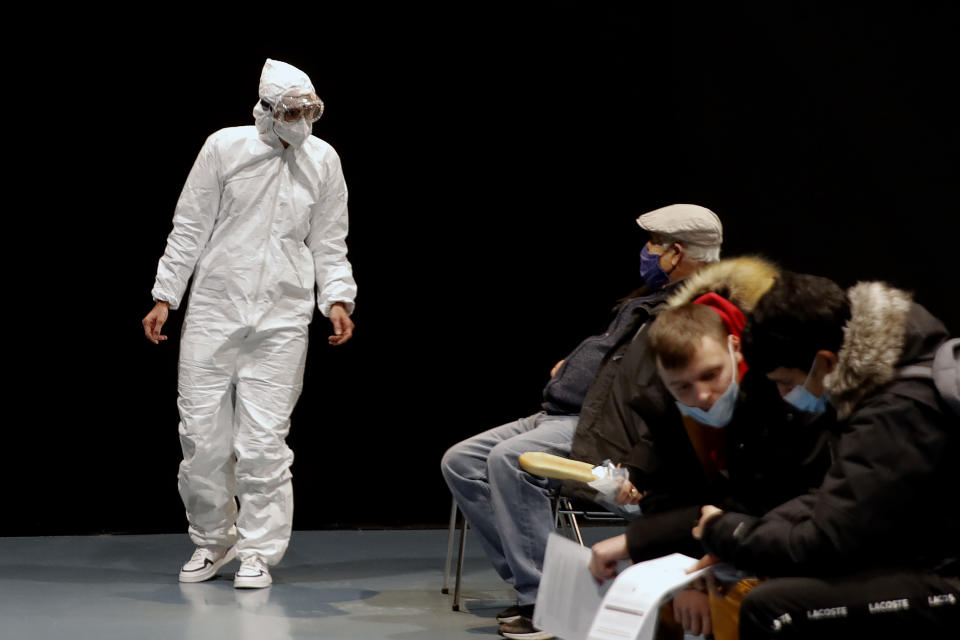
[{"x": 277, "y": 80}]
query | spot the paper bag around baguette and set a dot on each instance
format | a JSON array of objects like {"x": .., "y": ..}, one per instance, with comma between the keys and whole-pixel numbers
[{"x": 551, "y": 466}]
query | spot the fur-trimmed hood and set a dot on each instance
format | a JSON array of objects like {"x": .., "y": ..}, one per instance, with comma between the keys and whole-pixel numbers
[
  {"x": 873, "y": 341},
  {"x": 742, "y": 281}
]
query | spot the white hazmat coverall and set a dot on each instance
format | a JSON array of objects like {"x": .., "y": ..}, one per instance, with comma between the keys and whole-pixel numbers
[{"x": 256, "y": 224}]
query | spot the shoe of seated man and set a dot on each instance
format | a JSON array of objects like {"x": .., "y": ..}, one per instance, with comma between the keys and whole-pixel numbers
[
  {"x": 206, "y": 562},
  {"x": 252, "y": 574},
  {"x": 522, "y": 628},
  {"x": 511, "y": 613}
]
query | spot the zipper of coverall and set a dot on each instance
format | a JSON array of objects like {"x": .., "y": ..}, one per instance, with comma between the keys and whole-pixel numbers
[{"x": 273, "y": 216}]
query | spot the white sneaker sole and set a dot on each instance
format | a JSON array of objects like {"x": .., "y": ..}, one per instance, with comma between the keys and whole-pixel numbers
[
  {"x": 252, "y": 582},
  {"x": 536, "y": 635},
  {"x": 204, "y": 574}
]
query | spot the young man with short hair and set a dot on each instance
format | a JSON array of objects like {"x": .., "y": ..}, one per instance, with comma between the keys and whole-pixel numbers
[
  {"x": 875, "y": 550},
  {"x": 729, "y": 436}
]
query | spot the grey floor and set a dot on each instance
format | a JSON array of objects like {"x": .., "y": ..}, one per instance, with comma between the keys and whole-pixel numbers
[{"x": 330, "y": 585}]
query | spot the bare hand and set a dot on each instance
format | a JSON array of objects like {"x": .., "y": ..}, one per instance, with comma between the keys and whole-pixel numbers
[
  {"x": 706, "y": 561},
  {"x": 691, "y": 608},
  {"x": 707, "y": 513},
  {"x": 556, "y": 368},
  {"x": 154, "y": 321},
  {"x": 606, "y": 554},
  {"x": 628, "y": 494},
  {"x": 342, "y": 324}
]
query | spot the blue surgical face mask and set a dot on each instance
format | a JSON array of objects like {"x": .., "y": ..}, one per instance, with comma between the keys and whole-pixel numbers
[
  {"x": 801, "y": 397},
  {"x": 721, "y": 413},
  {"x": 650, "y": 270}
]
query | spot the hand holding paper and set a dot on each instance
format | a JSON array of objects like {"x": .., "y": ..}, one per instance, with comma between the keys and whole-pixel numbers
[{"x": 572, "y": 606}]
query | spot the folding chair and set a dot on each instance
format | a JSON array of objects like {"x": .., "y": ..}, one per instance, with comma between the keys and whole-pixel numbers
[{"x": 565, "y": 515}]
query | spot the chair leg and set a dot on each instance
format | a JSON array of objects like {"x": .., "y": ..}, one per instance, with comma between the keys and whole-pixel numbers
[
  {"x": 565, "y": 523},
  {"x": 450, "y": 536},
  {"x": 561, "y": 519},
  {"x": 573, "y": 521},
  {"x": 457, "y": 595}
]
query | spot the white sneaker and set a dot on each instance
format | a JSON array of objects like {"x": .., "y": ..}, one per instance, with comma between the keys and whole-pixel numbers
[
  {"x": 253, "y": 574},
  {"x": 205, "y": 562}
]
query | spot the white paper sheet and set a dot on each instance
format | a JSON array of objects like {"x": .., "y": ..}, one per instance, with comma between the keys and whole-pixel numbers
[
  {"x": 629, "y": 609},
  {"x": 571, "y": 605},
  {"x": 568, "y": 598}
]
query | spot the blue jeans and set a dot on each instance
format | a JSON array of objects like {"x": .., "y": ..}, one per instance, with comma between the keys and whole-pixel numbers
[{"x": 507, "y": 507}]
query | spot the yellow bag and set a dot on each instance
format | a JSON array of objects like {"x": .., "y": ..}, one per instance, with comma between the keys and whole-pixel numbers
[{"x": 725, "y": 609}]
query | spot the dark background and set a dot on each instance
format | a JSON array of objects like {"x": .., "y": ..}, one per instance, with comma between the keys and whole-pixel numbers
[{"x": 496, "y": 159}]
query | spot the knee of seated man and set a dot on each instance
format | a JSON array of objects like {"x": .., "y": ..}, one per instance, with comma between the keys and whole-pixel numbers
[{"x": 453, "y": 462}]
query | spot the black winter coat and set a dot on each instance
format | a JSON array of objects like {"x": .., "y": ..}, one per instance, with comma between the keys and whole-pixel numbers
[
  {"x": 773, "y": 453},
  {"x": 890, "y": 498}
]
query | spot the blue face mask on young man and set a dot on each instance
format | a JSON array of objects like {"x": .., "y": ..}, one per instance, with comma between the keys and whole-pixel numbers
[
  {"x": 801, "y": 397},
  {"x": 650, "y": 270},
  {"x": 721, "y": 413}
]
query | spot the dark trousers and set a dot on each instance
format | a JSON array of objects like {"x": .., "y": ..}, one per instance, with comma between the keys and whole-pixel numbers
[{"x": 889, "y": 604}]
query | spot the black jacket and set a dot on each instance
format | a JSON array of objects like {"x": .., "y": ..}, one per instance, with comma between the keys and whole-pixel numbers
[
  {"x": 630, "y": 417},
  {"x": 890, "y": 496},
  {"x": 773, "y": 453},
  {"x": 626, "y": 393},
  {"x": 590, "y": 362}
]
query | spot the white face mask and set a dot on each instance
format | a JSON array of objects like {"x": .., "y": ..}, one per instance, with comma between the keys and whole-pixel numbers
[
  {"x": 293, "y": 133},
  {"x": 721, "y": 413}
]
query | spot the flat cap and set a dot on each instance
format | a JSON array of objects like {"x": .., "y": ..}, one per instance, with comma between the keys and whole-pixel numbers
[{"x": 688, "y": 223}]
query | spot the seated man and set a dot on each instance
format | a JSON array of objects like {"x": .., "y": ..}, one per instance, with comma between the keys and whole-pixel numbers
[
  {"x": 627, "y": 399},
  {"x": 737, "y": 442},
  {"x": 509, "y": 508},
  {"x": 875, "y": 550}
]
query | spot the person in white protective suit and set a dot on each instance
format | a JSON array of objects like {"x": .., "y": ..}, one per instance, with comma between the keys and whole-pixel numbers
[{"x": 263, "y": 215}]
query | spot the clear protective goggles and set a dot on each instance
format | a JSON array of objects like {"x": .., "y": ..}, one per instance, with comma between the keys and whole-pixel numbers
[{"x": 292, "y": 108}]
